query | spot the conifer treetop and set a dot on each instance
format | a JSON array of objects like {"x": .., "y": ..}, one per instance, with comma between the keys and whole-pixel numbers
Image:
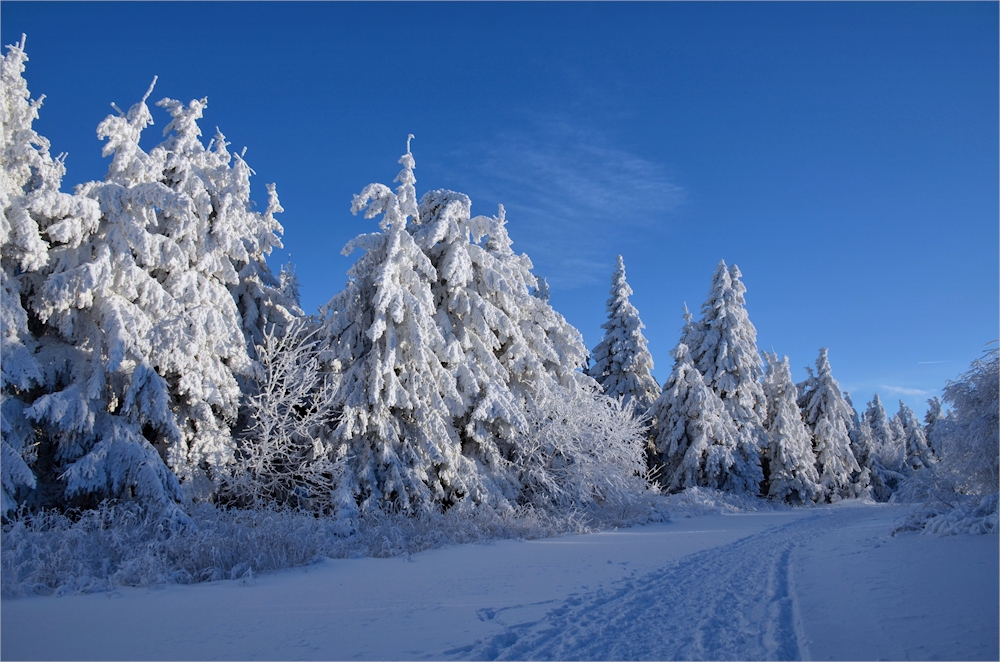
[{"x": 622, "y": 363}]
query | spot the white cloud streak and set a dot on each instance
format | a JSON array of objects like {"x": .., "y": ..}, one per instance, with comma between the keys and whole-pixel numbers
[
  {"x": 902, "y": 390},
  {"x": 569, "y": 193}
]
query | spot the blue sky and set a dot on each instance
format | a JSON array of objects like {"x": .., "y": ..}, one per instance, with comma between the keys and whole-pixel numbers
[{"x": 844, "y": 155}]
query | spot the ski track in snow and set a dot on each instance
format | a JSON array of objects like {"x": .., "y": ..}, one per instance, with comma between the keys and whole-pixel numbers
[{"x": 709, "y": 605}]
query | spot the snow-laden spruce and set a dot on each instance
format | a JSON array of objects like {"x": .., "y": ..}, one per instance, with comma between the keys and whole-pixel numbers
[
  {"x": 934, "y": 414},
  {"x": 882, "y": 480},
  {"x": 454, "y": 374},
  {"x": 888, "y": 443},
  {"x": 789, "y": 458},
  {"x": 24, "y": 157},
  {"x": 828, "y": 418},
  {"x": 513, "y": 349},
  {"x": 29, "y": 194},
  {"x": 693, "y": 433},
  {"x": 396, "y": 394},
  {"x": 622, "y": 364},
  {"x": 861, "y": 448},
  {"x": 142, "y": 338},
  {"x": 34, "y": 213},
  {"x": 918, "y": 453},
  {"x": 723, "y": 346}
]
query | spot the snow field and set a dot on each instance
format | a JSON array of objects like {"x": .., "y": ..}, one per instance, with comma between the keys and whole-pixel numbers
[{"x": 822, "y": 583}]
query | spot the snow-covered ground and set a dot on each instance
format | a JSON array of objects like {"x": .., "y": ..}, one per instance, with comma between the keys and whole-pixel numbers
[{"x": 821, "y": 583}]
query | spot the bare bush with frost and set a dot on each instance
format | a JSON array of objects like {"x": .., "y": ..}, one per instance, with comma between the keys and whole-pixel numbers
[{"x": 283, "y": 458}]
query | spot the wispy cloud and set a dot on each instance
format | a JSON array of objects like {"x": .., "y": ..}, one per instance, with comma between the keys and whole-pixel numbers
[
  {"x": 568, "y": 189},
  {"x": 932, "y": 362},
  {"x": 902, "y": 390}
]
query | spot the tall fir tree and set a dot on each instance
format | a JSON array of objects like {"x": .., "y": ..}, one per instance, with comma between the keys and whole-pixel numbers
[
  {"x": 33, "y": 213},
  {"x": 141, "y": 313},
  {"x": 693, "y": 431},
  {"x": 397, "y": 394},
  {"x": 875, "y": 445},
  {"x": 887, "y": 439},
  {"x": 523, "y": 424},
  {"x": 101, "y": 397},
  {"x": 932, "y": 417},
  {"x": 477, "y": 314},
  {"x": 790, "y": 459},
  {"x": 918, "y": 453},
  {"x": 622, "y": 364},
  {"x": 861, "y": 447},
  {"x": 724, "y": 350},
  {"x": 828, "y": 418}
]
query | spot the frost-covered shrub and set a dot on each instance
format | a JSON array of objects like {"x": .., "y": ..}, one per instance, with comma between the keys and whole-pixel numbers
[
  {"x": 953, "y": 514},
  {"x": 699, "y": 501},
  {"x": 283, "y": 457},
  {"x": 581, "y": 449},
  {"x": 958, "y": 494},
  {"x": 969, "y": 437},
  {"x": 125, "y": 544}
]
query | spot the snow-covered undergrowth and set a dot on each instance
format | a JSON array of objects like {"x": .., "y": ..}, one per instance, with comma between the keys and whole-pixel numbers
[
  {"x": 122, "y": 545},
  {"x": 942, "y": 509},
  {"x": 957, "y": 514},
  {"x": 697, "y": 501},
  {"x": 959, "y": 494}
]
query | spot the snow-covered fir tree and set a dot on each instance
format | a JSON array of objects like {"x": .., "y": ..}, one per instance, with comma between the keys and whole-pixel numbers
[
  {"x": 861, "y": 447},
  {"x": 73, "y": 423},
  {"x": 888, "y": 442},
  {"x": 789, "y": 456},
  {"x": 265, "y": 303},
  {"x": 828, "y": 418},
  {"x": 29, "y": 185},
  {"x": 520, "y": 365},
  {"x": 544, "y": 362},
  {"x": 622, "y": 364},
  {"x": 143, "y": 329},
  {"x": 493, "y": 365},
  {"x": 693, "y": 433},
  {"x": 933, "y": 415},
  {"x": 723, "y": 347},
  {"x": 478, "y": 311},
  {"x": 397, "y": 394},
  {"x": 899, "y": 435},
  {"x": 479, "y": 305},
  {"x": 288, "y": 281},
  {"x": 918, "y": 453},
  {"x": 874, "y": 444}
]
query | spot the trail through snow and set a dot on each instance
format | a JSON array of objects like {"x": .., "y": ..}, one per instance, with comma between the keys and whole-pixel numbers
[
  {"x": 811, "y": 583},
  {"x": 732, "y": 602}
]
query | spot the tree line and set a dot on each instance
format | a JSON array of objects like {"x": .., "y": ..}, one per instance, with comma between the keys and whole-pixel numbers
[{"x": 150, "y": 354}]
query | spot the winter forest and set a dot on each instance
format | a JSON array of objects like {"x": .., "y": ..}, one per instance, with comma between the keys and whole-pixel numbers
[{"x": 162, "y": 385}]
